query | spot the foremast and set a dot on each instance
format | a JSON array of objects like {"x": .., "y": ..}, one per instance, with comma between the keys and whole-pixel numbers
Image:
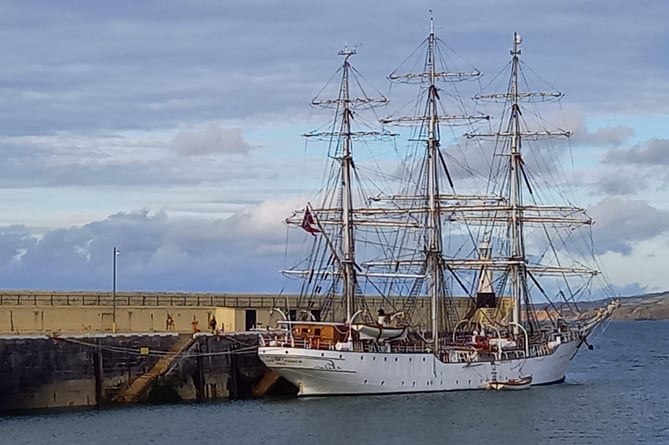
[
  {"x": 340, "y": 136},
  {"x": 348, "y": 260}
]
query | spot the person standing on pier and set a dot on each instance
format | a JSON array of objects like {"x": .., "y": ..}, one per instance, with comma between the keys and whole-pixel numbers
[
  {"x": 169, "y": 323},
  {"x": 212, "y": 325}
]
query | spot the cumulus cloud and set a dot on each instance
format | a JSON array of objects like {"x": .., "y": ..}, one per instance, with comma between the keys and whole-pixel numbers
[
  {"x": 654, "y": 152},
  {"x": 620, "y": 223},
  {"x": 127, "y": 159},
  {"x": 628, "y": 171},
  {"x": 608, "y": 136},
  {"x": 211, "y": 141},
  {"x": 621, "y": 182},
  {"x": 574, "y": 119},
  {"x": 631, "y": 289},
  {"x": 241, "y": 253}
]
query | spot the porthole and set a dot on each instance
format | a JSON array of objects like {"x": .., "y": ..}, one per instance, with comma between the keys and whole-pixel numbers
[
  {"x": 382, "y": 382},
  {"x": 385, "y": 359},
  {"x": 395, "y": 358},
  {"x": 362, "y": 357}
]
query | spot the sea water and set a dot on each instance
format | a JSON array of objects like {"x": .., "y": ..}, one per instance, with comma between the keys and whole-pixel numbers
[{"x": 616, "y": 393}]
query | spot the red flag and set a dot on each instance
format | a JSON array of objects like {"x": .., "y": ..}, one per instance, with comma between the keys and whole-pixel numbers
[{"x": 308, "y": 223}]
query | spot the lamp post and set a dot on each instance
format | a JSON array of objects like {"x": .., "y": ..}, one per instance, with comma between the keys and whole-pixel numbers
[{"x": 116, "y": 253}]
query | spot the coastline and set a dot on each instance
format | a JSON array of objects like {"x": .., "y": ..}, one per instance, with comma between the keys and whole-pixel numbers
[{"x": 644, "y": 307}]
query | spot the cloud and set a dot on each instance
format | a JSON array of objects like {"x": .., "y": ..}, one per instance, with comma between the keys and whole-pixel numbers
[
  {"x": 139, "y": 68},
  {"x": 631, "y": 289},
  {"x": 621, "y": 182},
  {"x": 242, "y": 253},
  {"x": 94, "y": 92},
  {"x": 628, "y": 171},
  {"x": 619, "y": 224},
  {"x": 128, "y": 159},
  {"x": 576, "y": 121},
  {"x": 653, "y": 152},
  {"x": 645, "y": 266},
  {"x": 211, "y": 140},
  {"x": 14, "y": 242},
  {"x": 607, "y": 136}
]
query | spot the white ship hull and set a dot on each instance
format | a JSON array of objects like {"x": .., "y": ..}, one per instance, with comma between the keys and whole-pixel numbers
[{"x": 318, "y": 372}]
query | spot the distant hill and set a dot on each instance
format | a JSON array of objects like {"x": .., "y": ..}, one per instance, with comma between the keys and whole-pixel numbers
[
  {"x": 644, "y": 307},
  {"x": 639, "y": 307}
]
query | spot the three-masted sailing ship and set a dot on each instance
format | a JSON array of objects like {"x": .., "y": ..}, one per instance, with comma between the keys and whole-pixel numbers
[{"x": 428, "y": 243}]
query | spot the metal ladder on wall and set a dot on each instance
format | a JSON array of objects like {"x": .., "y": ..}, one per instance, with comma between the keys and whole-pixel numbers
[{"x": 138, "y": 388}]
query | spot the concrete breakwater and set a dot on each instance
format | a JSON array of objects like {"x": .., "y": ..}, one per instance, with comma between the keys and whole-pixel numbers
[
  {"x": 94, "y": 370},
  {"x": 40, "y": 312}
]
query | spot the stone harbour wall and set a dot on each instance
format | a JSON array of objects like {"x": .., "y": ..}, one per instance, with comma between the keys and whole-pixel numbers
[{"x": 42, "y": 372}]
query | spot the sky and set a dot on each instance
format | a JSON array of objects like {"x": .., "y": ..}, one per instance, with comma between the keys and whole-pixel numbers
[{"x": 171, "y": 129}]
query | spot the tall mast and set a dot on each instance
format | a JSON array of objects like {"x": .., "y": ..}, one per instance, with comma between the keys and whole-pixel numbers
[
  {"x": 428, "y": 120},
  {"x": 340, "y": 217},
  {"x": 517, "y": 256},
  {"x": 434, "y": 229},
  {"x": 517, "y": 213},
  {"x": 348, "y": 261}
]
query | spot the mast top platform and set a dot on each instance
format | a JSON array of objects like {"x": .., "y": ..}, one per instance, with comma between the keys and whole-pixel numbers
[
  {"x": 517, "y": 40},
  {"x": 346, "y": 52}
]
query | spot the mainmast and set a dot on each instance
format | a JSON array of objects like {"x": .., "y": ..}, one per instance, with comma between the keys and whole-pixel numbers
[
  {"x": 517, "y": 257},
  {"x": 435, "y": 167}
]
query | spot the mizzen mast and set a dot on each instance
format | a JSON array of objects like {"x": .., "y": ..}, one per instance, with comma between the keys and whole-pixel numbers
[{"x": 516, "y": 212}]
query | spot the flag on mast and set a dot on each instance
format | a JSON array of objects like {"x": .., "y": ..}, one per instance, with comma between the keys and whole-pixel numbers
[{"x": 309, "y": 224}]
